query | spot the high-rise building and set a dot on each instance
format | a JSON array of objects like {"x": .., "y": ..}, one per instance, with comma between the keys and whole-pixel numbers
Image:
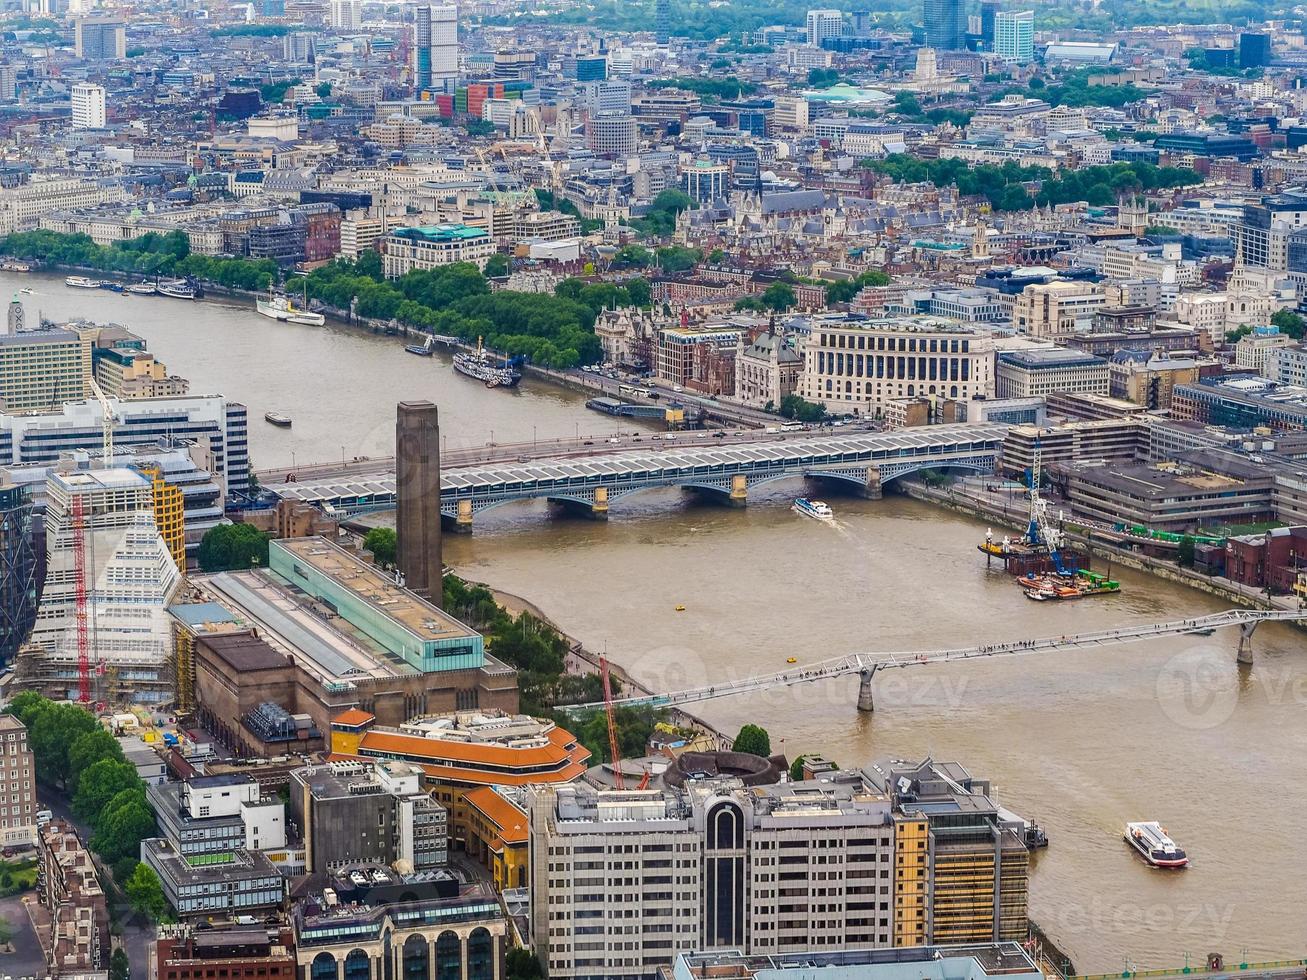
[
  {"x": 40, "y": 370},
  {"x": 612, "y": 134},
  {"x": 609, "y": 96},
  {"x": 946, "y": 24},
  {"x": 17, "y": 785},
  {"x": 823, "y": 24},
  {"x": 88, "y": 106},
  {"x": 299, "y": 46},
  {"x": 662, "y": 21},
  {"x": 18, "y": 571},
  {"x": 417, "y": 498},
  {"x": 99, "y": 39},
  {"x": 592, "y": 69},
  {"x": 129, "y": 580},
  {"x": 8, "y": 83},
  {"x": 1014, "y": 36},
  {"x": 988, "y": 12},
  {"x": 435, "y": 47},
  {"x": 346, "y": 15},
  {"x": 1254, "y": 50}
]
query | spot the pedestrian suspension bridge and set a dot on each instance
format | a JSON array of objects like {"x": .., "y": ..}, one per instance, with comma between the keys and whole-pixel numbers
[{"x": 867, "y": 664}]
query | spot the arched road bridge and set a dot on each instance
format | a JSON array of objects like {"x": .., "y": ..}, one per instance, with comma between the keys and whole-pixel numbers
[
  {"x": 866, "y": 664},
  {"x": 860, "y": 461}
]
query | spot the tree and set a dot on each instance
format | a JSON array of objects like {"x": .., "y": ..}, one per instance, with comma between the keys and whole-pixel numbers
[
  {"x": 1290, "y": 323},
  {"x": 88, "y": 749},
  {"x": 232, "y": 546},
  {"x": 99, "y": 784},
  {"x": 384, "y": 545},
  {"x": 145, "y": 894},
  {"x": 779, "y": 296},
  {"x": 521, "y": 965},
  {"x": 52, "y": 734},
  {"x": 120, "y": 968},
  {"x": 754, "y": 740},
  {"x": 479, "y": 127},
  {"x": 497, "y": 266},
  {"x": 323, "y": 90},
  {"x": 126, "y": 821},
  {"x": 796, "y": 768},
  {"x": 797, "y": 408},
  {"x": 1184, "y": 552}
]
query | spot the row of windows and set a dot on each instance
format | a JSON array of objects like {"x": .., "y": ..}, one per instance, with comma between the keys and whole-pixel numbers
[{"x": 913, "y": 345}]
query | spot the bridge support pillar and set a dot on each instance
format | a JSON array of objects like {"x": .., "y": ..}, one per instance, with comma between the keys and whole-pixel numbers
[
  {"x": 1245, "y": 655},
  {"x": 872, "y": 489},
  {"x": 461, "y": 523},
  {"x": 865, "y": 702},
  {"x": 739, "y": 490},
  {"x": 599, "y": 509}
]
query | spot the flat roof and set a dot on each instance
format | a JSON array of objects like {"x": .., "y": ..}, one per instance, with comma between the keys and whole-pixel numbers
[
  {"x": 437, "y": 233},
  {"x": 424, "y": 620}
]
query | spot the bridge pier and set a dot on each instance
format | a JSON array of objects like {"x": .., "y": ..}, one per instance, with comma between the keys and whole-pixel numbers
[
  {"x": 1245, "y": 655},
  {"x": 865, "y": 702},
  {"x": 461, "y": 522},
  {"x": 596, "y": 511},
  {"x": 739, "y": 490}
]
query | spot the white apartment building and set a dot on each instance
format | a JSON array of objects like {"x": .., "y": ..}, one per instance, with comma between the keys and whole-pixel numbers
[
  {"x": 1254, "y": 351},
  {"x": 346, "y": 15},
  {"x": 130, "y": 578},
  {"x": 434, "y": 245},
  {"x": 823, "y": 24},
  {"x": 1205, "y": 312},
  {"x": 1288, "y": 365},
  {"x": 1057, "y": 310},
  {"x": 360, "y": 232},
  {"x": 88, "y": 106},
  {"x": 858, "y": 366},
  {"x": 18, "y": 804}
]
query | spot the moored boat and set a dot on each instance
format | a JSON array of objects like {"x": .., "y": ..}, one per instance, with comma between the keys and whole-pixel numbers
[
  {"x": 1150, "y": 839},
  {"x": 816, "y": 509},
  {"x": 178, "y": 289},
  {"x": 13, "y": 265},
  {"x": 425, "y": 349},
  {"x": 278, "y": 419},
  {"x": 486, "y": 368},
  {"x": 281, "y": 308},
  {"x": 81, "y": 282},
  {"x": 143, "y": 289}
]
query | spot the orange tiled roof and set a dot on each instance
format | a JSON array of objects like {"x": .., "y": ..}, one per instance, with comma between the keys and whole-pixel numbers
[
  {"x": 415, "y": 748},
  {"x": 509, "y": 821},
  {"x": 353, "y": 718}
]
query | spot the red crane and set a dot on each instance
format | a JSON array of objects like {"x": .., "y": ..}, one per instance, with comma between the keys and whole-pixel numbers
[
  {"x": 79, "y": 577},
  {"x": 612, "y": 724}
]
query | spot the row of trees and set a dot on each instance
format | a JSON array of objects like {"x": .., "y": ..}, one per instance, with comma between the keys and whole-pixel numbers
[
  {"x": 660, "y": 220},
  {"x": 232, "y": 546},
  {"x": 605, "y": 295},
  {"x": 1006, "y": 186},
  {"x": 456, "y": 300},
  {"x": 75, "y": 755},
  {"x": 151, "y": 254}
]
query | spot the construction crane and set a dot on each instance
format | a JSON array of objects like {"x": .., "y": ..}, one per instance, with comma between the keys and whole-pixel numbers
[
  {"x": 79, "y": 580},
  {"x": 1041, "y": 529},
  {"x": 109, "y": 418},
  {"x": 612, "y": 724}
]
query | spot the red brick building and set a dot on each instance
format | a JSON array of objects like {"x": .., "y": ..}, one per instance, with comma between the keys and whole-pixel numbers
[
  {"x": 1272, "y": 559},
  {"x": 265, "y": 953}
]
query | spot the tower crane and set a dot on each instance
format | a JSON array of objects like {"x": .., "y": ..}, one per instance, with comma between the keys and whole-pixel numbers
[
  {"x": 79, "y": 555},
  {"x": 1041, "y": 529},
  {"x": 613, "y": 750}
]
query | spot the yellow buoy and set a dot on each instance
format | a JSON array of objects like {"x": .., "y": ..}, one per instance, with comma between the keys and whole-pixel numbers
[
  {"x": 680, "y": 608},
  {"x": 792, "y": 660}
]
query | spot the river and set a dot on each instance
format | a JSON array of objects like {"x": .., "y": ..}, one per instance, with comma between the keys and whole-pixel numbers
[{"x": 1080, "y": 742}]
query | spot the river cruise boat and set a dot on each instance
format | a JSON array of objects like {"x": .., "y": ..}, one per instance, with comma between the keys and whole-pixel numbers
[
  {"x": 815, "y": 509},
  {"x": 81, "y": 282},
  {"x": 492, "y": 371},
  {"x": 178, "y": 289},
  {"x": 1150, "y": 839},
  {"x": 278, "y": 419},
  {"x": 281, "y": 308}
]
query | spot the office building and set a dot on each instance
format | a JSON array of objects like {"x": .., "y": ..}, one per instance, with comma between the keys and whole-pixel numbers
[
  {"x": 435, "y": 47},
  {"x": 515, "y": 65},
  {"x": 1014, "y": 36},
  {"x": 1263, "y": 236},
  {"x": 346, "y": 15},
  {"x": 352, "y": 812},
  {"x": 981, "y": 961},
  {"x": 1254, "y": 50},
  {"x": 464, "y": 751},
  {"x": 839, "y": 862},
  {"x": 129, "y": 579},
  {"x": 209, "y": 857},
  {"x": 823, "y": 24},
  {"x": 75, "y": 902},
  {"x": 17, "y": 785},
  {"x": 40, "y": 370},
  {"x": 99, "y": 39},
  {"x": 299, "y": 47},
  {"x": 592, "y": 69},
  {"x": 1149, "y": 380},
  {"x": 8, "y": 82},
  {"x": 372, "y": 922},
  {"x": 852, "y": 364},
  {"x": 88, "y": 106},
  {"x": 1030, "y": 373},
  {"x": 706, "y": 181},
  {"x": 946, "y": 24},
  {"x": 243, "y": 952},
  {"x": 1241, "y": 402},
  {"x": 610, "y": 96},
  {"x": 431, "y": 246},
  {"x": 18, "y": 568},
  {"x": 662, "y": 21},
  {"x": 1057, "y": 310},
  {"x": 417, "y": 499},
  {"x": 612, "y": 134},
  {"x": 988, "y": 14},
  {"x": 205, "y": 420}
]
